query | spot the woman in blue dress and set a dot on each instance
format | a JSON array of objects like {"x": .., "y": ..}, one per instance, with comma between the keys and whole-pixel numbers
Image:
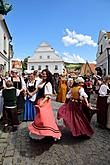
[{"x": 30, "y": 112}]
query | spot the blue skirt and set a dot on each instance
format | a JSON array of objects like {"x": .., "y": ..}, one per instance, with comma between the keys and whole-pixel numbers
[{"x": 29, "y": 111}]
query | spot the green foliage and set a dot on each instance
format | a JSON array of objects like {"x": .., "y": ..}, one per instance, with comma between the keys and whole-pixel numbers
[
  {"x": 24, "y": 63},
  {"x": 75, "y": 66},
  {"x": 4, "y": 7}
]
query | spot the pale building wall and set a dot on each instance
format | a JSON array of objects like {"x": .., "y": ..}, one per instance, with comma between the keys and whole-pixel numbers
[
  {"x": 102, "y": 57},
  {"x": 4, "y": 56},
  {"x": 45, "y": 55}
]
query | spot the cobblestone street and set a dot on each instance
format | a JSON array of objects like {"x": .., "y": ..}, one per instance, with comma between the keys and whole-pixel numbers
[{"x": 18, "y": 149}]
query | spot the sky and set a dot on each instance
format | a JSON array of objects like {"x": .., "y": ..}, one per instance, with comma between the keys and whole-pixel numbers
[{"x": 71, "y": 27}]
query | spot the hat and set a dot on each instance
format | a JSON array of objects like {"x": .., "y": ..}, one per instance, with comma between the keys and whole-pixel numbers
[{"x": 79, "y": 80}]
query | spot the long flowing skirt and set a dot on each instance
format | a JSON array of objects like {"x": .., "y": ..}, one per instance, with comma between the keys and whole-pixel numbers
[
  {"x": 44, "y": 123},
  {"x": 62, "y": 91},
  {"x": 108, "y": 117},
  {"x": 29, "y": 111},
  {"x": 74, "y": 119},
  {"x": 102, "y": 113},
  {"x": 20, "y": 107},
  {"x": 1, "y": 104}
]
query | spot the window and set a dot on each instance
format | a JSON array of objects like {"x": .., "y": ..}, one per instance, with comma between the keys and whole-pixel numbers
[
  {"x": 5, "y": 44},
  {"x": 40, "y": 57},
  {"x": 56, "y": 67},
  {"x": 32, "y": 67},
  {"x": 101, "y": 49},
  {"x": 39, "y": 67},
  {"x": 48, "y": 57}
]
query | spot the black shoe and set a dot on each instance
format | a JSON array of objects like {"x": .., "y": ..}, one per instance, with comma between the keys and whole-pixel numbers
[
  {"x": 14, "y": 128},
  {"x": 6, "y": 129}
]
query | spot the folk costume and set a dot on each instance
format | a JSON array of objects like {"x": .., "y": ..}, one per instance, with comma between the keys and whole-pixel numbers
[
  {"x": 72, "y": 112},
  {"x": 2, "y": 85},
  {"x": 10, "y": 107},
  {"x": 102, "y": 105},
  {"x": 20, "y": 85},
  {"x": 62, "y": 90},
  {"x": 44, "y": 123},
  {"x": 30, "y": 112}
]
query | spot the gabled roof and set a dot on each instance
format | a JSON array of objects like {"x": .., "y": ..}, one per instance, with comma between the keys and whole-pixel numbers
[
  {"x": 101, "y": 34},
  {"x": 44, "y": 47},
  {"x": 88, "y": 68},
  {"x": 45, "y": 50}
]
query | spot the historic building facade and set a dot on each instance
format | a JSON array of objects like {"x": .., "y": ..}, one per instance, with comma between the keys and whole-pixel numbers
[
  {"x": 6, "y": 48},
  {"x": 103, "y": 53},
  {"x": 45, "y": 57}
]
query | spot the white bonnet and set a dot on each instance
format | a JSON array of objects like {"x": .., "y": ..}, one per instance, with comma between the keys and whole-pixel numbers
[{"x": 79, "y": 80}]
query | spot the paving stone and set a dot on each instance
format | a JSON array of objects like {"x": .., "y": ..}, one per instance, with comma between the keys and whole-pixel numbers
[
  {"x": 18, "y": 149},
  {"x": 3, "y": 140},
  {"x": 4, "y": 135},
  {"x": 9, "y": 153},
  {"x": 7, "y": 161},
  {"x": 1, "y": 157}
]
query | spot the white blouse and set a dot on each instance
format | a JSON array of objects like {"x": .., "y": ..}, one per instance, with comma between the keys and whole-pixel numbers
[
  {"x": 81, "y": 93},
  {"x": 47, "y": 89},
  {"x": 103, "y": 90}
]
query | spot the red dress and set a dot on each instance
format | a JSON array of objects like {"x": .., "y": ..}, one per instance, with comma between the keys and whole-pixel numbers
[
  {"x": 74, "y": 117},
  {"x": 44, "y": 123}
]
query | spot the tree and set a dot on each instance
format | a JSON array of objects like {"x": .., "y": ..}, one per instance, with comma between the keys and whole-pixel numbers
[
  {"x": 24, "y": 63},
  {"x": 4, "y": 7}
]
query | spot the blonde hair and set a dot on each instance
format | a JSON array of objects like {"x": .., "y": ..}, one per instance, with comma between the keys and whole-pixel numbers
[{"x": 9, "y": 83}]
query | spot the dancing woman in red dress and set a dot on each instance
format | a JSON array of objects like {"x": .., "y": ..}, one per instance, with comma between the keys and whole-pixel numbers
[
  {"x": 44, "y": 123},
  {"x": 72, "y": 112}
]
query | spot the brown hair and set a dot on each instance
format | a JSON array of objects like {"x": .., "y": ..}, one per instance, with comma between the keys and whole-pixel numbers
[{"x": 9, "y": 83}]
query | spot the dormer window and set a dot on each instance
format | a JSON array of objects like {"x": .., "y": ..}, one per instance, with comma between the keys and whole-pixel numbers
[{"x": 105, "y": 37}]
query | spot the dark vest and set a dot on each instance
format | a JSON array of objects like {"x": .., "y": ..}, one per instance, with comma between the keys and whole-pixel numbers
[
  {"x": 9, "y": 101},
  {"x": 1, "y": 83},
  {"x": 32, "y": 88},
  {"x": 40, "y": 93},
  {"x": 17, "y": 84}
]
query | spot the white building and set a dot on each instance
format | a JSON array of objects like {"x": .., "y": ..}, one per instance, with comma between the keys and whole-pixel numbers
[
  {"x": 103, "y": 53},
  {"x": 5, "y": 46},
  {"x": 45, "y": 57}
]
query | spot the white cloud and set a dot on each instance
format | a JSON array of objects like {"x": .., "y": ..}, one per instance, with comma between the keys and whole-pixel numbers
[
  {"x": 72, "y": 58},
  {"x": 72, "y": 38},
  {"x": 92, "y": 62}
]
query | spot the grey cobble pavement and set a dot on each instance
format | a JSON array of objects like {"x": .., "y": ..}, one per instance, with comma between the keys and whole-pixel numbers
[{"x": 18, "y": 149}]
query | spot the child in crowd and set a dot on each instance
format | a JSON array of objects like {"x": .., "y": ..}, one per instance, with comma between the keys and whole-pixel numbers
[{"x": 9, "y": 108}]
